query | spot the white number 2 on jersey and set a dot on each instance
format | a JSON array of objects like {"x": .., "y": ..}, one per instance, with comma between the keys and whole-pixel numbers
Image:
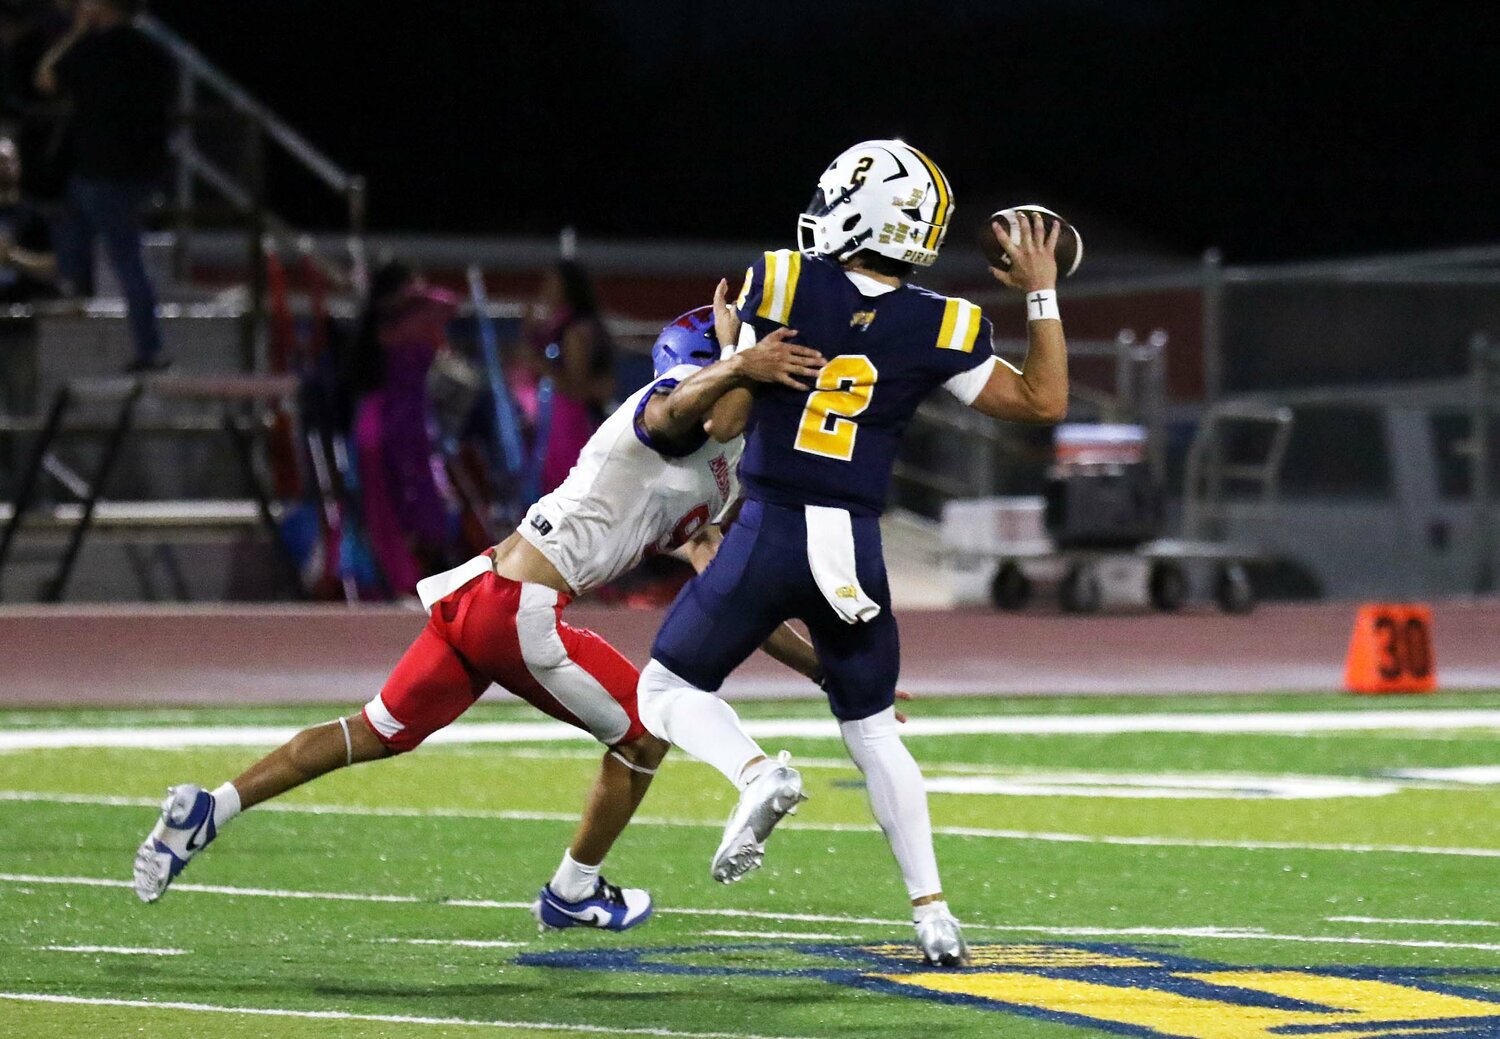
[{"x": 844, "y": 389}]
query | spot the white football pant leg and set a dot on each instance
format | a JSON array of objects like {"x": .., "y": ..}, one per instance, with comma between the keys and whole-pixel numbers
[
  {"x": 898, "y": 798},
  {"x": 697, "y": 721},
  {"x": 546, "y": 657}
]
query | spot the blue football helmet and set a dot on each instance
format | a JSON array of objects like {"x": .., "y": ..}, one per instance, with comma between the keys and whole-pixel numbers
[{"x": 689, "y": 339}]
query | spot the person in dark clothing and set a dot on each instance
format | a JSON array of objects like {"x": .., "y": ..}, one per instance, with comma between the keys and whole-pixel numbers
[
  {"x": 119, "y": 84},
  {"x": 28, "y": 268},
  {"x": 28, "y": 29}
]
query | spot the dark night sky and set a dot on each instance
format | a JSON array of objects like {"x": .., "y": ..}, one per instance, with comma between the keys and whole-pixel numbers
[{"x": 1275, "y": 130}]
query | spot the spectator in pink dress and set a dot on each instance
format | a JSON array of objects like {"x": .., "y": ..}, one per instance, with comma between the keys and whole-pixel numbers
[
  {"x": 565, "y": 339},
  {"x": 410, "y": 510}
]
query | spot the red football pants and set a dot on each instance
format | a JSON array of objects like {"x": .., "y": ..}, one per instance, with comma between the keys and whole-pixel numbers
[{"x": 493, "y": 629}]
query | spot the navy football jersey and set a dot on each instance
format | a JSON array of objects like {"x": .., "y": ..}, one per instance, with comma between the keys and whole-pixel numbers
[{"x": 836, "y": 444}]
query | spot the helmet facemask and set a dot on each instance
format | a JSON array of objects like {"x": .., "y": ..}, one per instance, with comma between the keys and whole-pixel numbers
[{"x": 831, "y": 228}]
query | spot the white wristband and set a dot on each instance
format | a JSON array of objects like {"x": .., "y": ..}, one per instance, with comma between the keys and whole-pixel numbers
[{"x": 1041, "y": 305}]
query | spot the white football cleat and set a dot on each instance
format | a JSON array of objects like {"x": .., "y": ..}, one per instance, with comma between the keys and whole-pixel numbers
[
  {"x": 940, "y": 939},
  {"x": 770, "y": 797},
  {"x": 185, "y": 828}
]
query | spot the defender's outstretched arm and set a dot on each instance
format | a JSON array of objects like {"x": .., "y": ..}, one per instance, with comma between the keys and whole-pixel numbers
[
  {"x": 676, "y": 416},
  {"x": 731, "y": 412}
]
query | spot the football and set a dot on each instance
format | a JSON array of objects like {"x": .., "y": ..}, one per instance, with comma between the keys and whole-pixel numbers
[{"x": 1069, "y": 241}]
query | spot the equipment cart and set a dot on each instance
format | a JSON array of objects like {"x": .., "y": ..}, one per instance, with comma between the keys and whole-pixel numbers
[{"x": 1237, "y": 451}]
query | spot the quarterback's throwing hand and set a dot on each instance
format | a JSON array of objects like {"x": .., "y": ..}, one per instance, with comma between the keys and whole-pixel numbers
[
  {"x": 1033, "y": 253},
  {"x": 776, "y": 359}
]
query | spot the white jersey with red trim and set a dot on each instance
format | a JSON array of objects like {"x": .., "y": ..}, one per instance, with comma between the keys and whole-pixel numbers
[{"x": 627, "y": 498}]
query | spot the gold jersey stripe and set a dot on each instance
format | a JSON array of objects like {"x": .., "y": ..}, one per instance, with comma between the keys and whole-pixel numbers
[
  {"x": 950, "y": 318},
  {"x": 960, "y": 326},
  {"x": 971, "y": 329},
  {"x": 794, "y": 271},
  {"x": 783, "y": 268},
  {"x": 767, "y": 288},
  {"x": 745, "y": 288}
]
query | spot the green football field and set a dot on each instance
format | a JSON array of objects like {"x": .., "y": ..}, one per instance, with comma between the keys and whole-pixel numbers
[{"x": 1214, "y": 868}]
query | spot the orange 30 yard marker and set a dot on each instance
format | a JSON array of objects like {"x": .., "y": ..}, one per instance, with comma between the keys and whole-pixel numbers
[{"x": 1390, "y": 650}]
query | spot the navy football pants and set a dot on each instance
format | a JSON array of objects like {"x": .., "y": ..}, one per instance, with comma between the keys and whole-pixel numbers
[{"x": 761, "y": 578}]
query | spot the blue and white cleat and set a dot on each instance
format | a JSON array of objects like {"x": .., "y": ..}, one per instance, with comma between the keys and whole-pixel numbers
[
  {"x": 185, "y": 828},
  {"x": 770, "y": 797},
  {"x": 609, "y": 908}
]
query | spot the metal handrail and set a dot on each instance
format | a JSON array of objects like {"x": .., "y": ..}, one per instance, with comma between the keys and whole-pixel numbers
[
  {"x": 236, "y": 195},
  {"x": 297, "y": 146},
  {"x": 245, "y": 190}
]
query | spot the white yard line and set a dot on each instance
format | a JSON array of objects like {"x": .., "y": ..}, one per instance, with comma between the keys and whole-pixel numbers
[
  {"x": 810, "y": 935},
  {"x": 1234, "y": 722},
  {"x": 115, "y": 950},
  {"x": 1213, "y": 932},
  {"x": 1164, "y": 786},
  {"x": 1188, "y": 842},
  {"x": 1474, "y": 775},
  {"x": 1242, "y": 934},
  {"x": 1391, "y": 942},
  {"x": 1442, "y": 736},
  {"x": 247, "y": 892},
  {"x": 800, "y": 918},
  {"x": 393, "y": 1019},
  {"x": 1411, "y": 921},
  {"x": 110, "y": 800},
  {"x": 466, "y": 943},
  {"x": 504, "y": 815}
]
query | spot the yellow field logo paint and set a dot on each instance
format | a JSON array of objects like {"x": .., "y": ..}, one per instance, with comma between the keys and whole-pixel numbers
[
  {"x": 1109, "y": 988},
  {"x": 1139, "y": 996}
]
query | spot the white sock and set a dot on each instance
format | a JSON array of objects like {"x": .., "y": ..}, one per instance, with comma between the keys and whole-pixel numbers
[
  {"x": 573, "y": 880},
  {"x": 697, "y": 721},
  {"x": 226, "y": 804},
  {"x": 897, "y": 797},
  {"x": 929, "y": 909},
  {"x": 750, "y": 773}
]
